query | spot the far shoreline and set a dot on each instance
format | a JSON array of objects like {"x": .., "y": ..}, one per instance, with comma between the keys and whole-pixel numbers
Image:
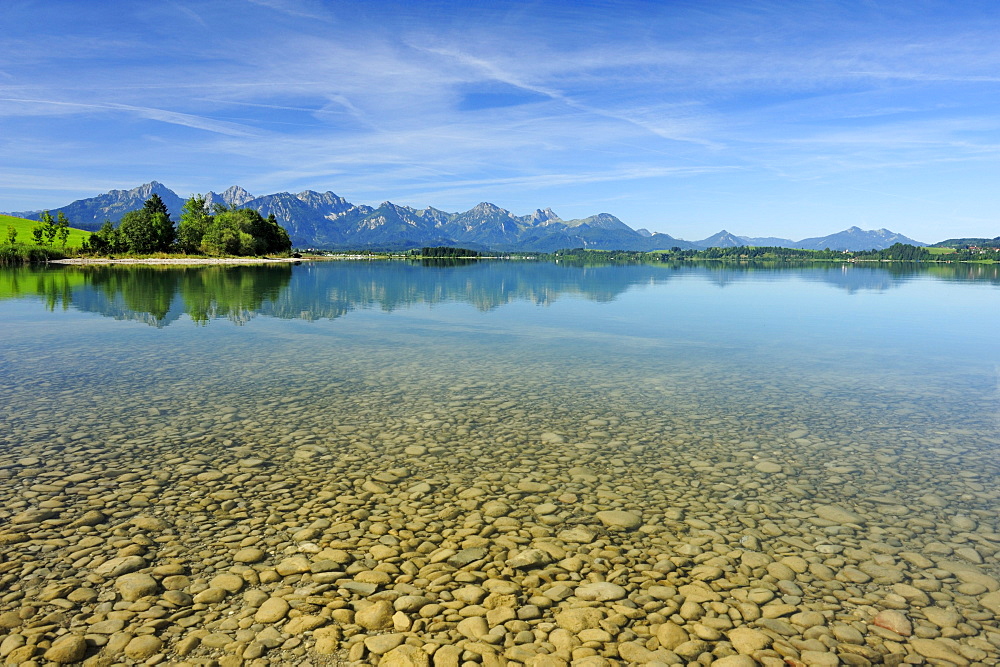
[{"x": 78, "y": 261}]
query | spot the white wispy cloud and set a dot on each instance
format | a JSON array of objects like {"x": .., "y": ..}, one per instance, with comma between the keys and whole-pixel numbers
[
  {"x": 306, "y": 9},
  {"x": 162, "y": 115}
]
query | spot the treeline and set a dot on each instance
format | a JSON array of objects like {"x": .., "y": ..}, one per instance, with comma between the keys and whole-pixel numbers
[
  {"x": 970, "y": 243},
  {"x": 223, "y": 231},
  {"x": 980, "y": 254},
  {"x": 582, "y": 257},
  {"x": 896, "y": 252},
  {"x": 445, "y": 251}
]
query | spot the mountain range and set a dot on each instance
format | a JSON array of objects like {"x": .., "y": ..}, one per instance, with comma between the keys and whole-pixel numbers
[{"x": 328, "y": 221}]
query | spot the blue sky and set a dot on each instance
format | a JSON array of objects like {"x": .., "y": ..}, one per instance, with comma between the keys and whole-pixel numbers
[{"x": 764, "y": 118}]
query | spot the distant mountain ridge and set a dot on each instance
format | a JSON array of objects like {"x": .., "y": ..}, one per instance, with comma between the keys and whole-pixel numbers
[{"x": 326, "y": 220}]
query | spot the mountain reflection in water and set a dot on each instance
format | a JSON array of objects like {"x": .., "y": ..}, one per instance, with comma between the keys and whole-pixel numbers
[{"x": 326, "y": 290}]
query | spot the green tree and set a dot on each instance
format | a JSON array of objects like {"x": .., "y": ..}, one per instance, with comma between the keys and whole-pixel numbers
[
  {"x": 194, "y": 221},
  {"x": 62, "y": 228},
  {"x": 136, "y": 232},
  {"x": 50, "y": 228},
  {"x": 44, "y": 232},
  {"x": 105, "y": 240},
  {"x": 147, "y": 230},
  {"x": 155, "y": 205},
  {"x": 11, "y": 235},
  {"x": 275, "y": 236}
]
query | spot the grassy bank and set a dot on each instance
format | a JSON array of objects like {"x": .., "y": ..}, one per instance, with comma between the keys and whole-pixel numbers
[
  {"x": 23, "y": 229},
  {"x": 18, "y": 254},
  {"x": 24, "y": 250}
]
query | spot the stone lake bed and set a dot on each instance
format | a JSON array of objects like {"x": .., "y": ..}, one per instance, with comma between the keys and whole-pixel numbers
[{"x": 374, "y": 508}]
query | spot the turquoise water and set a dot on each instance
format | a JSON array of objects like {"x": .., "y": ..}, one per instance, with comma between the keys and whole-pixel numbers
[
  {"x": 873, "y": 388},
  {"x": 714, "y": 333}
]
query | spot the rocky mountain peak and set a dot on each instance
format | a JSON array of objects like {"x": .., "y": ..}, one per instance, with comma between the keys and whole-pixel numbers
[
  {"x": 144, "y": 191},
  {"x": 236, "y": 196},
  {"x": 544, "y": 215}
]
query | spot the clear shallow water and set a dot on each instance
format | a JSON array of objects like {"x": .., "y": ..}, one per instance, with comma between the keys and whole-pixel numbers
[{"x": 719, "y": 404}]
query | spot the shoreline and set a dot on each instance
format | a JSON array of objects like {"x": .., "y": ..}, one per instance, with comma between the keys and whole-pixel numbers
[{"x": 181, "y": 261}]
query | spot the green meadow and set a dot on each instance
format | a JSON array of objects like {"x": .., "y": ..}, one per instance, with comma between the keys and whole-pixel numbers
[{"x": 23, "y": 228}]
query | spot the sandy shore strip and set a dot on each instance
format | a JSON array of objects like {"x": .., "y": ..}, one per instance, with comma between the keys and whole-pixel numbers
[{"x": 180, "y": 260}]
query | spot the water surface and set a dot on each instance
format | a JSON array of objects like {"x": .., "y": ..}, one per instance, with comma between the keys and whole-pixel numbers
[{"x": 729, "y": 407}]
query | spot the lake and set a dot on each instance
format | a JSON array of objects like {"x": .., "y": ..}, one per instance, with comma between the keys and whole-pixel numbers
[{"x": 501, "y": 463}]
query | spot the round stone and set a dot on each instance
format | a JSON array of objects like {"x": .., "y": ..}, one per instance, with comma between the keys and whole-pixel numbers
[
  {"x": 410, "y": 603},
  {"x": 293, "y": 565},
  {"x": 601, "y": 591},
  {"x": 249, "y": 555},
  {"x": 377, "y": 616},
  {"x": 143, "y": 646},
  {"x": 619, "y": 519},
  {"x": 136, "y": 585},
  {"x": 232, "y": 583},
  {"x": 747, "y": 640},
  {"x": 67, "y": 649},
  {"x": 893, "y": 620},
  {"x": 837, "y": 514},
  {"x": 272, "y": 610},
  {"x": 529, "y": 558}
]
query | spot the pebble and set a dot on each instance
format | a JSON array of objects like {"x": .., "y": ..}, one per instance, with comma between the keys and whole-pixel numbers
[
  {"x": 938, "y": 650},
  {"x": 249, "y": 555},
  {"x": 136, "y": 585},
  {"x": 601, "y": 591},
  {"x": 377, "y": 616},
  {"x": 894, "y": 621},
  {"x": 272, "y": 610},
  {"x": 619, "y": 519},
  {"x": 142, "y": 647},
  {"x": 410, "y": 656},
  {"x": 529, "y": 559},
  {"x": 67, "y": 649},
  {"x": 991, "y": 602},
  {"x": 578, "y": 619},
  {"x": 838, "y": 514}
]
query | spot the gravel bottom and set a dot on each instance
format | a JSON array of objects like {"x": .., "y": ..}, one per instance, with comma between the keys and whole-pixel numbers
[{"x": 411, "y": 517}]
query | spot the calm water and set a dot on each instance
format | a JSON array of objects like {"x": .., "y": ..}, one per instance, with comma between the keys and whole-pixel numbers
[{"x": 659, "y": 390}]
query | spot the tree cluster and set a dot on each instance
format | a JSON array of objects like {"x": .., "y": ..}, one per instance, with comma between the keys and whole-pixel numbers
[
  {"x": 898, "y": 252},
  {"x": 445, "y": 251},
  {"x": 148, "y": 230},
  {"x": 46, "y": 231},
  {"x": 225, "y": 231},
  {"x": 971, "y": 255},
  {"x": 229, "y": 231}
]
